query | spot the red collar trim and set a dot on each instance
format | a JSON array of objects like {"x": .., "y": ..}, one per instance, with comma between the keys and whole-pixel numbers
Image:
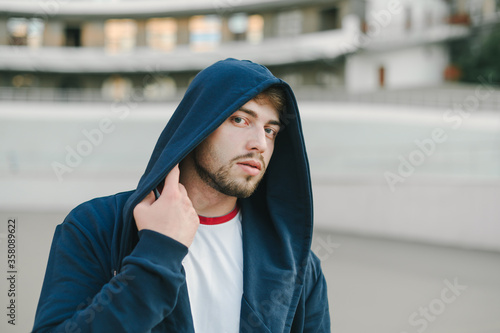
[{"x": 219, "y": 219}]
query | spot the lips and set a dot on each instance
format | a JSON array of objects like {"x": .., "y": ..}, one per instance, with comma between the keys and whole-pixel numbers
[
  {"x": 252, "y": 163},
  {"x": 251, "y": 167}
]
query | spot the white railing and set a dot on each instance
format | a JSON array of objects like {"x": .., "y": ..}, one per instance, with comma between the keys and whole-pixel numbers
[
  {"x": 76, "y": 95},
  {"x": 441, "y": 97},
  {"x": 50, "y": 94}
]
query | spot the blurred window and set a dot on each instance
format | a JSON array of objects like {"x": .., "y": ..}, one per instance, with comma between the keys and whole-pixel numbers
[
  {"x": 325, "y": 78},
  {"x": 381, "y": 76},
  {"x": 204, "y": 32},
  {"x": 160, "y": 88},
  {"x": 289, "y": 23},
  {"x": 117, "y": 88},
  {"x": 161, "y": 33},
  {"x": 245, "y": 27},
  {"x": 23, "y": 80},
  {"x": 330, "y": 19},
  {"x": 428, "y": 18},
  {"x": 120, "y": 35},
  {"x": 460, "y": 6},
  {"x": 73, "y": 36},
  {"x": 238, "y": 25},
  {"x": 71, "y": 82},
  {"x": 408, "y": 18},
  {"x": 255, "y": 32},
  {"x": 23, "y": 31},
  {"x": 293, "y": 79},
  {"x": 490, "y": 8}
]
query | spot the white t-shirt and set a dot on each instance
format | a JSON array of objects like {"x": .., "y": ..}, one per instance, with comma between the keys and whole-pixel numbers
[{"x": 214, "y": 274}]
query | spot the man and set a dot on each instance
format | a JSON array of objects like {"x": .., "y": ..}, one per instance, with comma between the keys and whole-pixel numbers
[{"x": 217, "y": 235}]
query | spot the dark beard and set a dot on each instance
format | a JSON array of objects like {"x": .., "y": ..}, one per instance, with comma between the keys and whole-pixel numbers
[{"x": 220, "y": 180}]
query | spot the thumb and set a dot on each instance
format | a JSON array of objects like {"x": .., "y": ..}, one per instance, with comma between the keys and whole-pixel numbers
[{"x": 172, "y": 179}]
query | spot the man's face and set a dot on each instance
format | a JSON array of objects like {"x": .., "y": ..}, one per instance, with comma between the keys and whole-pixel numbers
[{"x": 234, "y": 158}]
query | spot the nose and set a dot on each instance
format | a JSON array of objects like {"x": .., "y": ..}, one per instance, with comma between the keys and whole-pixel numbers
[{"x": 257, "y": 141}]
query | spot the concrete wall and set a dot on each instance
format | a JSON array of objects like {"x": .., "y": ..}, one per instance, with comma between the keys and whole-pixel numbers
[{"x": 378, "y": 170}]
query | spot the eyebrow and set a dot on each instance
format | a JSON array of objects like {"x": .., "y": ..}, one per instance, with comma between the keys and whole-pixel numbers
[{"x": 256, "y": 116}]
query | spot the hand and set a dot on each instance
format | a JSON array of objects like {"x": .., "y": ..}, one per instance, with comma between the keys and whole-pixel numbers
[{"x": 172, "y": 214}]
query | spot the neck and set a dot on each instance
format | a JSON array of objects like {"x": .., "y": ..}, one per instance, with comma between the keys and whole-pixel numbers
[{"x": 206, "y": 201}]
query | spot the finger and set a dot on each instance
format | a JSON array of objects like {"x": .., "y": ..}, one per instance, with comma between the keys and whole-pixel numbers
[
  {"x": 172, "y": 179},
  {"x": 182, "y": 189},
  {"x": 149, "y": 199}
]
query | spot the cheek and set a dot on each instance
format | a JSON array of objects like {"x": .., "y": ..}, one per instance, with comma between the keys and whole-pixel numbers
[
  {"x": 222, "y": 138},
  {"x": 215, "y": 153}
]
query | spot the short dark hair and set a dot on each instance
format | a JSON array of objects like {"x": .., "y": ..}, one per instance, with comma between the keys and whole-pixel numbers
[{"x": 275, "y": 95}]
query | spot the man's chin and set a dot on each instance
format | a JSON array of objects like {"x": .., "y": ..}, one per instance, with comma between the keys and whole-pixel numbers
[{"x": 242, "y": 188}]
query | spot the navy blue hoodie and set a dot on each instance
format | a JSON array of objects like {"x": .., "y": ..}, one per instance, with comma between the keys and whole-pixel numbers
[{"x": 105, "y": 276}]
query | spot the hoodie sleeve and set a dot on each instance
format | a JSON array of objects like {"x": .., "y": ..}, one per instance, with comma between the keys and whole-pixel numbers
[
  {"x": 79, "y": 294},
  {"x": 317, "y": 314}
]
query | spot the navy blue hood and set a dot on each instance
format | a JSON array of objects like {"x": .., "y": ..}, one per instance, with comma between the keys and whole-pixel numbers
[
  {"x": 279, "y": 215},
  {"x": 214, "y": 94}
]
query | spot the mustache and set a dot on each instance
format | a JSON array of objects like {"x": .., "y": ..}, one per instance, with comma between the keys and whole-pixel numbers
[{"x": 251, "y": 155}]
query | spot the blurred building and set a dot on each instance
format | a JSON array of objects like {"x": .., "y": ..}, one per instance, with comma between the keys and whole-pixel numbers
[{"x": 107, "y": 50}]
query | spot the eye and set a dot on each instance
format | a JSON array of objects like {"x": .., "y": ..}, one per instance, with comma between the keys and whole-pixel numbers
[
  {"x": 271, "y": 132},
  {"x": 240, "y": 121}
]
